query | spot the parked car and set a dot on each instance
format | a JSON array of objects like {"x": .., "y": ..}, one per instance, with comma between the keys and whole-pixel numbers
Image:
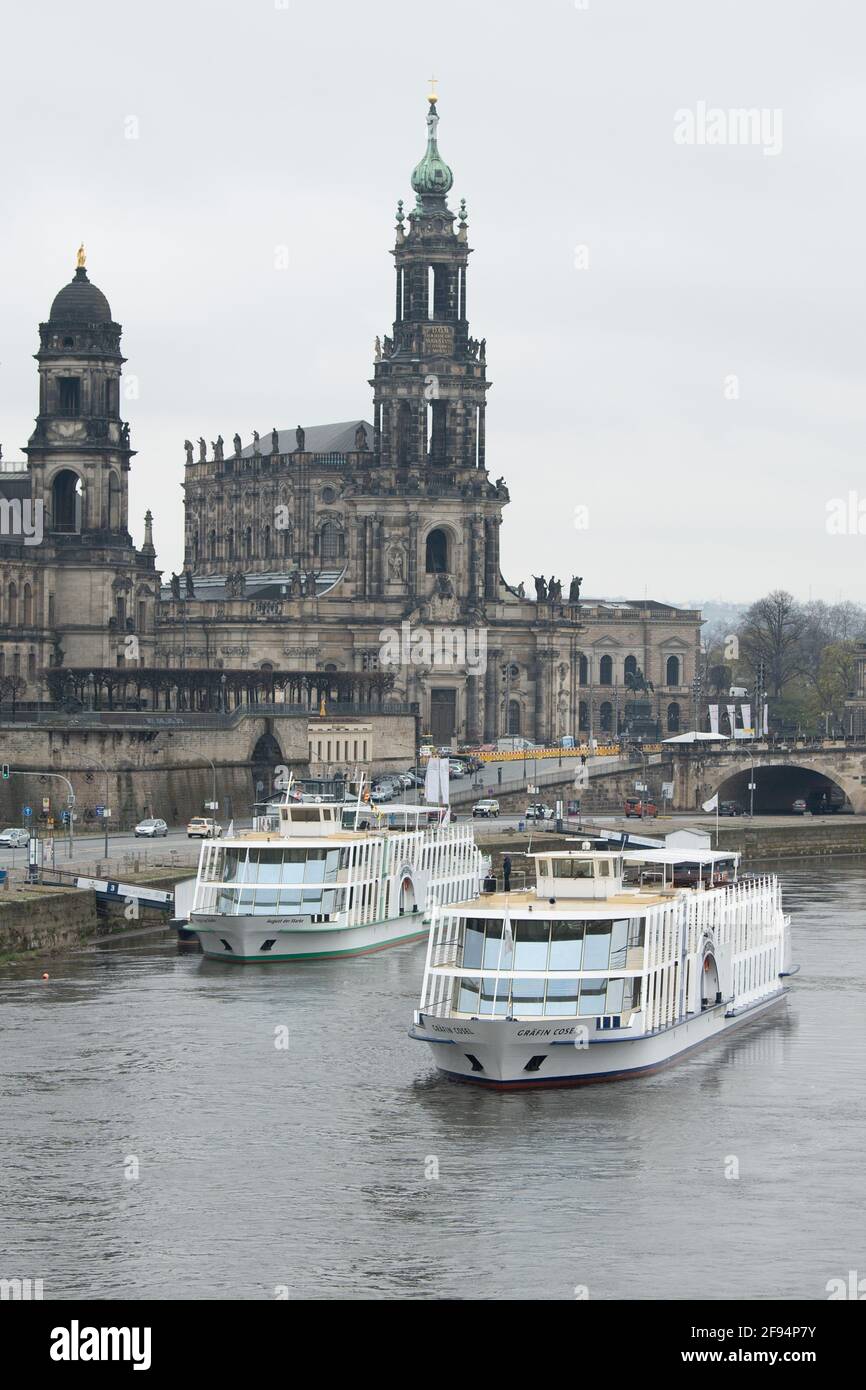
[
  {"x": 154, "y": 827},
  {"x": 799, "y": 807},
  {"x": 203, "y": 828},
  {"x": 456, "y": 768},
  {"x": 13, "y": 838},
  {"x": 487, "y": 809},
  {"x": 538, "y": 811},
  {"x": 382, "y": 792},
  {"x": 730, "y": 808},
  {"x": 415, "y": 779},
  {"x": 634, "y": 806}
]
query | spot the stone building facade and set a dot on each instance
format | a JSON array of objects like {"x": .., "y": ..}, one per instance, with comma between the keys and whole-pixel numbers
[
  {"x": 364, "y": 547},
  {"x": 74, "y": 590},
  {"x": 317, "y": 547}
]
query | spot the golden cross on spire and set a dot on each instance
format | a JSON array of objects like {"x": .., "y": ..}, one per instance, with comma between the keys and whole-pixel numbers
[{"x": 433, "y": 84}]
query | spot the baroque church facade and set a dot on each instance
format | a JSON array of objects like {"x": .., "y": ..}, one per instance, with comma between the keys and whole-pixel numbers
[{"x": 317, "y": 552}]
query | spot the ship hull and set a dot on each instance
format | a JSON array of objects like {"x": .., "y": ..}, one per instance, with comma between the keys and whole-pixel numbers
[
  {"x": 244, "y": 940},
  {"x": 502, "y": 1049}
]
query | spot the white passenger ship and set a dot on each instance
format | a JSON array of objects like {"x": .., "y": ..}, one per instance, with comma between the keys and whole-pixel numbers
[
  {"x": 618, "y": 963},
  {"x": 305, "y": 884}
]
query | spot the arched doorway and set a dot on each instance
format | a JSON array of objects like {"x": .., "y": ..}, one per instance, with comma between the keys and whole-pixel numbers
[
  {"x": 513, "y": 717},
  {"x": 710, "y": 987},
  {"x": 266, "y": 758},
  {"x": 408, "y": 901}
]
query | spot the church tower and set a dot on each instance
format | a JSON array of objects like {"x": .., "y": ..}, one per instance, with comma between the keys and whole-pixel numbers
[
  {"x": 430, "y": 378},
  {"x": 79, "y": 452}
]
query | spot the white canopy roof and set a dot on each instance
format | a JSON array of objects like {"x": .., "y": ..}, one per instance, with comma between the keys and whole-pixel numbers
[
  {"x": 695, "y": 736},
  {"x": 678, "y": 856}
]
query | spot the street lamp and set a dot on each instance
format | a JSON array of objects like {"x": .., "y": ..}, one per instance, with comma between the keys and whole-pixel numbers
[{"x": 104, "y": 805}]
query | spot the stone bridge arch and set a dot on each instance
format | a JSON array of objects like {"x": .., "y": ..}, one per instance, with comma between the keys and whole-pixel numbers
[{"x": 822, "y": 781}]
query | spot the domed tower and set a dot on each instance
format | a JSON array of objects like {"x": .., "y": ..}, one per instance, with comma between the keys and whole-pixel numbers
[
  {"x": 430, "y": 382},
  {"x": 79, "y": 452}
]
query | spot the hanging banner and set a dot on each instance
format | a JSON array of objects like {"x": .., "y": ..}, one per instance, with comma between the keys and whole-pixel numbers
[
  {"x": 766, "y": 719},
  {"x": 714, "y": 718},
  {"x": 732, "y": 717},
  {"x": 431, "y": 782},
  {"x": 746, "y": 711}
]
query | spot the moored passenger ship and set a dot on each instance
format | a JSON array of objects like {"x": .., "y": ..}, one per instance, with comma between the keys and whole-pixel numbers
[
  {"x": 616, "y": 964},
  {"x": 305, "y": 883}
]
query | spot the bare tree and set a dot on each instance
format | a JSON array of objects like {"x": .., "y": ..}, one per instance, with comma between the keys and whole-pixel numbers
[{"x": 773, "y": 631}]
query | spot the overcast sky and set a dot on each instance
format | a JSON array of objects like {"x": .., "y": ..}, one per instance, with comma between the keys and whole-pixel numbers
[{"x": 694, "y": 377}]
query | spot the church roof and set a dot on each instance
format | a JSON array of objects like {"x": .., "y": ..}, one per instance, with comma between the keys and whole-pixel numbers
[
  {"x": 318, "y": 439},
  {"x": 80, "y": 303}
]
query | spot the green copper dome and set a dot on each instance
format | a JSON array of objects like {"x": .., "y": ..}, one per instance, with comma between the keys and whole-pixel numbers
[{"x": 432, "y": 179}]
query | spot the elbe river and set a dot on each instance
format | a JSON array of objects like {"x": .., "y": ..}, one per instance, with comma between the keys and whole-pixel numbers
[{"x": 158, "y": 1141}]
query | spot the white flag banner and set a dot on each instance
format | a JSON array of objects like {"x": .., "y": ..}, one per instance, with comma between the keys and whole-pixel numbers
[
  {"x": 714, "y": 718},
  {"x": 507, "y": 942},
  {"x": 732, "y": 716},
  {"x": 231, "y": 830},
  {"x": 766, "y": 719},
  {"x": 712, "y": 804},
  {"x": 747, "y": 716},
  {"x": 444, "y": 781},
  {"x": 431, "y": 782}
]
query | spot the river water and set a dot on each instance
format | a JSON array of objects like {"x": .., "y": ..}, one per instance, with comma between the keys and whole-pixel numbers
[{"x": 157, "y": 1142}]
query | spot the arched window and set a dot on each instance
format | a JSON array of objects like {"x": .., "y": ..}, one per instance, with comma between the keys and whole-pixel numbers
[
  {"x": 605, "y": 671},
  {"x": 2, "y": 663},
  {"x": 248, "y": 543},
  {"x": 113, "y": 502},
  {"x": 513, "y": 717},
  {"x": 287, "y": 544},
  {"x": 231, "y": 543},
  {"x": 630, "y": 666},
  {"x": 67, "y": 498},
  {"x": 583, "y": 676},
  {"x": 31, "y": 666},
  {"x": 28, "y": 606},
  {"x": 673, "y": 670},
  {"x": 605, "y": 716},
  {"x": 266, "y": 542},
  {"x": 583, "y": 716},
  {"x": 404, "y": 435},
  {"x": 211, "y": 545},
  {"x": 13, "y": 605},
  {"x": 330, "y": 544},
  {"x": 673, "y": 718},
  {"x": 437, "y": 553}
]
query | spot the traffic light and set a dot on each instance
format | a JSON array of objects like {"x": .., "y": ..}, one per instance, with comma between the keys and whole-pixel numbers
[{"x": 5, "y": 772}]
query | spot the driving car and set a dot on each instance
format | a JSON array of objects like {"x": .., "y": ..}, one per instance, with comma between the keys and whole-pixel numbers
[
  {"x": 634, "y": 806},
  {"x": 13, "y": 838},
  {"x": 538, "y": 811},
  {"x": 730, "y": 808},
  {"x": 153, "y": 826},
  {"x": 799, "y": 807},
  {"x": 203, "y": 828},
  {"x": 456, "y": 768},
  {"x": 383, "y": 792},
  {"x": 486, "y": 808}
]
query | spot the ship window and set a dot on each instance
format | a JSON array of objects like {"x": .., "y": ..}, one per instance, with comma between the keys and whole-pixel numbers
[
  {"x": 636, "y": 931},
  {"x": 566, "y": 947},
  {"x": 469, "y": 992},
  {"x": 527, "y": 996},
  {"x": 572, "y": 868},
  {"x": 592, "y": 997},
  {"x": 494, "y": 996},
  {"x": 615, "y": 991},
  {"x": 530, "y": 946},
  {"x": 618, "y": 945},
  {"x": 473, "y": 942},
  {"x": 596, "y": 953},
  {"x": 268, "y": 945},
  {"x": 492, "y": 945},
  {"x": 562, "y": 997}
]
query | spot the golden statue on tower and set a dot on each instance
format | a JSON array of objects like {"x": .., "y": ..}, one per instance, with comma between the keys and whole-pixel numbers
[{"x": 81, "y": 258}]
